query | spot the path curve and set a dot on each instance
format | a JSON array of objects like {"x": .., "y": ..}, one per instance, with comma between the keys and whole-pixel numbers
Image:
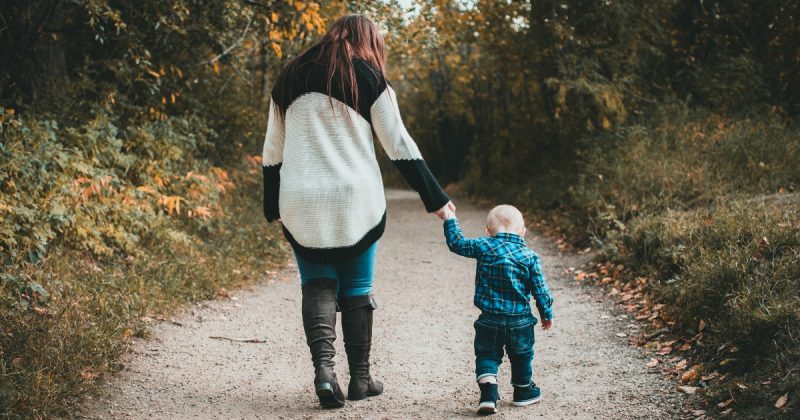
[{"x": 422, "y": 349}]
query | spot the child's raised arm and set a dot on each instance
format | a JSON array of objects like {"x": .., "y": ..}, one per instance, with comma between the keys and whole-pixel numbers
[
  {"x": 541, "y": 294},
  {"x": 457, "y": 242}
]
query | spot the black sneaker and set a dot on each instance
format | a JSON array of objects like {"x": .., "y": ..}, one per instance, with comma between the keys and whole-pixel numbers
[
  {"x": 526, "y": 395},
  {"x": 489, "y": 397}
]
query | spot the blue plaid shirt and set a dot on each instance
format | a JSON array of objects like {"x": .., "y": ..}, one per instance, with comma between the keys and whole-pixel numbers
[{"x": 508, "y": 272}]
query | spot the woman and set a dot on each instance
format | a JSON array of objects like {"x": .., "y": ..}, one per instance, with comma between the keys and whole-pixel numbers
[{"x": 322, "y": 181}]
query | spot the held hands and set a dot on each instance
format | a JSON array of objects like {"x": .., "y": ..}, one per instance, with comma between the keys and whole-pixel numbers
[
  {"x": 446, "y": 212},
  {"x": 546, "y": 325}
]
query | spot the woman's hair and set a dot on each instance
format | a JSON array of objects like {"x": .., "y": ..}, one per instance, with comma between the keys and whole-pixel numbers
[{"x": 350, "y": 36}]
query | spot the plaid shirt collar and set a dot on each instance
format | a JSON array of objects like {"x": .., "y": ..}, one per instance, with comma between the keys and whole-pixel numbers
[{"x": 510, "y": 237}]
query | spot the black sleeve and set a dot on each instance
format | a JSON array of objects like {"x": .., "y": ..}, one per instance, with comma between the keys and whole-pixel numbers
[
  {"x": 272, "y": 182},
  {"x": 420, "y": 178}
]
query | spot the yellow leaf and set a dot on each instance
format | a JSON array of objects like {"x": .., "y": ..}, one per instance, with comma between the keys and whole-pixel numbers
[
  {"x": 277, "y": 49},
  {"x": 146, "y": 189},
  {"x": 215, "y": 67},
  {"x": 274, "y": 17}
]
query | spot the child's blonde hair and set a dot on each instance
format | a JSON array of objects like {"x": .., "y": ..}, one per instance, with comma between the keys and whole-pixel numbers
[{"x": 504, "y": 218}]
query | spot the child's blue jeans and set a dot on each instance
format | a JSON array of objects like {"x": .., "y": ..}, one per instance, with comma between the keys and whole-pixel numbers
[
  {"x": 353, "y": 277},
  {"x": 512, "y": 332}
]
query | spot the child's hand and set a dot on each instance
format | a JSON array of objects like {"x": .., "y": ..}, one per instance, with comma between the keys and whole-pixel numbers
[
  {"x": 546, "y": 325},
  {"x": 446, "y": 212}
]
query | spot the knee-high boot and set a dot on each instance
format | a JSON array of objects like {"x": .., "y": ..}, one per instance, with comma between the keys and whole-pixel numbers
[
  {"x": 319, "y": 322},
  {"x": 357, "y": 331}
]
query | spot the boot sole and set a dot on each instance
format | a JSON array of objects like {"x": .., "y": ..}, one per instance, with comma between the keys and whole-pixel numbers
[
  {"x": 487, "y": 408},
  {"x": 526, "y": 402},
  {"x": 359, "y": 397},
  {"x": 328, "y": 398}
]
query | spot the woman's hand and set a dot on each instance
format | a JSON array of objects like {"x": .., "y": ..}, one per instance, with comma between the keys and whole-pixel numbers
[{"x": 448, "y": 211}]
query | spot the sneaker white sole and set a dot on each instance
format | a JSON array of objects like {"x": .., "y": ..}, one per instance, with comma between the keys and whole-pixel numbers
[
  {"x": 526, "y": 402},
  {"x": 487, "y": 408}
]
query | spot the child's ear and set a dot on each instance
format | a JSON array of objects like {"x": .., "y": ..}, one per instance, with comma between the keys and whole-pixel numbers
[
  {"x": 523, "y": 231},
  {"x": 488, "y": 232}
]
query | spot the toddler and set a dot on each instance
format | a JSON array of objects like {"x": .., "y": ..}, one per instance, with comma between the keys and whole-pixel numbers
[{"x": 508, "y": 274}]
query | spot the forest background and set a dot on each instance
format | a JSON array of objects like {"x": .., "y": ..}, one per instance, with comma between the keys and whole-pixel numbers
[{"x": 660, "y": 135}]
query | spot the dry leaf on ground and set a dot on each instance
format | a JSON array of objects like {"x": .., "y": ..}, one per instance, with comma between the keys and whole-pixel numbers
[
  {"x": 782, "y": 401},
  {"x": 652, "y": 363},
  {"x": 690, "y": 375},
  {"x": 689, "y": 390}
]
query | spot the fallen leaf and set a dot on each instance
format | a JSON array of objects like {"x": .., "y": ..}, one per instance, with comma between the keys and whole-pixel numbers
[
  {"x": 580, "y": 275},
  {"x": 782, "y": 401},
  {"x": 685, "y": 347},
  {"x": 665, "y": 350},
  {"x": 725, "y": 404},
  {"x": 690, "y": 375},
  {"x": 698, "y": 413},
  {"x": 621, "y": 334},
  {"x": 702, "y": 325},
  {"x": 741, "y": 386},
  {"x": 652, "y": 363},
  {"x": 689, "y": 390},
  {"x": 727, "y": 361},
  {"x": 88, "y": 374},
  {"x": 682, "y": 364}
]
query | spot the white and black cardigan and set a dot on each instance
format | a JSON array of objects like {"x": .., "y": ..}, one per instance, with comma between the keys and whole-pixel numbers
[{"x": 321, "y": 176}]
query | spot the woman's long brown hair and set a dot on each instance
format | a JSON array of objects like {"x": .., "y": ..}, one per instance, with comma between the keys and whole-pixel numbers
[{"x": 350, "y": 36}]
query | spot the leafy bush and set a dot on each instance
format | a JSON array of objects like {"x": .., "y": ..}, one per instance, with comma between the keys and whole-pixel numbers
[
  {"x": 65, "y": 319},
  {"x": 704, "y": 206},
  {"x": 101, "y": 188},
  {"x": 736, "y": 266}
]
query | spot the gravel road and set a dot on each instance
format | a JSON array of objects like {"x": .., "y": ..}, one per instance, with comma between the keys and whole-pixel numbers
[{"x": 422, "y": 349}]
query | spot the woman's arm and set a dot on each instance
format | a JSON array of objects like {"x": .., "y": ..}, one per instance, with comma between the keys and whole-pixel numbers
[
  {"x": 398, "y": 144},
  {"x": 272, "y": 158}
]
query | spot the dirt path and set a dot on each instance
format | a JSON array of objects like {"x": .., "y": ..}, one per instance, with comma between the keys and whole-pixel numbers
[{"x": 422, "y": 349}]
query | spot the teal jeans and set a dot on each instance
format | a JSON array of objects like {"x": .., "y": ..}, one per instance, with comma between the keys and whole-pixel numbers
[{"x": 353, "y": 277}]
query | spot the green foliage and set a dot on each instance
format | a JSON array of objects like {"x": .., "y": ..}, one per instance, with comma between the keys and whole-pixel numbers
[
  {"x": 99, "y": 188},
  {"x": 65, "y": 320},
  {"x": 735, "y": 265}
]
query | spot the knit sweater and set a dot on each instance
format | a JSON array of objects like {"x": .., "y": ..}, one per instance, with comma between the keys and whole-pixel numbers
[{"x": 321, "y": 175}]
